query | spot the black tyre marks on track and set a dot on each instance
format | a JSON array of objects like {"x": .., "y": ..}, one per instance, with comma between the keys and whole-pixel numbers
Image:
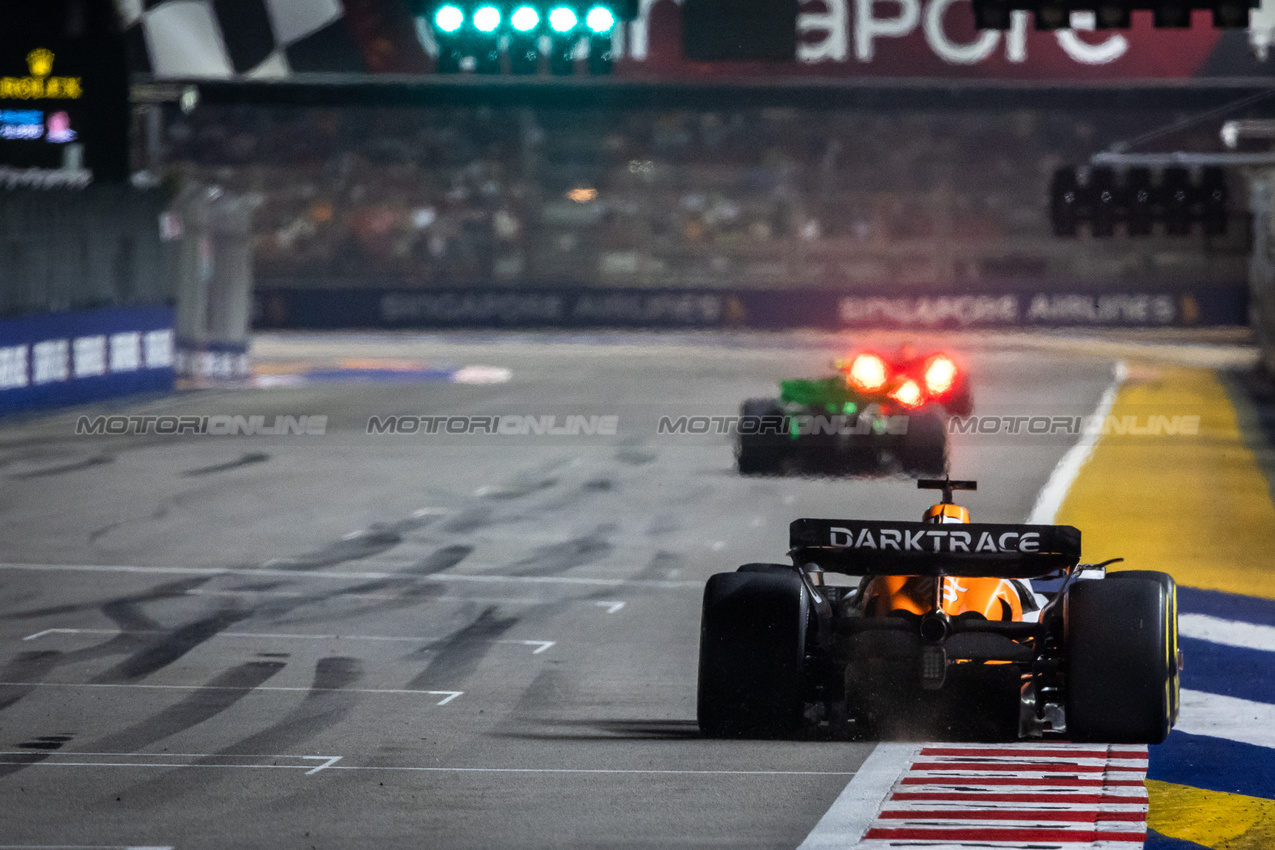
[
  {"x": 557, "y": 558},
  {"x": 248, "y": 459},
  {"x": 75, "y": 466},
  {"x": 457, "y": 656},
  {"x": 354, "y": 547},
  {"x": 215, "y": 697},
  {"x": 218, "y": 694},
  {"x": 44, "y": 746},
  {"x": 327, "y": 703},
  {"x": 27, "y": 667},
  {"x": 169, "y": 647}
]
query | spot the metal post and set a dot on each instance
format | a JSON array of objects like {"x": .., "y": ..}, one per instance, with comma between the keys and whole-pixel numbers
[{"x": 214, "y": 285}]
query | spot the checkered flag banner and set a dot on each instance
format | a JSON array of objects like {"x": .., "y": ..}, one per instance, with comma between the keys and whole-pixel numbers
[{"x": 239, "y": 39}]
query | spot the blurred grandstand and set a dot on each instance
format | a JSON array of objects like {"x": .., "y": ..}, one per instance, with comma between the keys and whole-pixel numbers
[{"x": 860, "y": 200}]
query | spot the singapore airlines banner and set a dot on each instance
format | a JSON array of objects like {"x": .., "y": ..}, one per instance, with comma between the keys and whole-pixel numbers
[{"x": 848, "y": 39}]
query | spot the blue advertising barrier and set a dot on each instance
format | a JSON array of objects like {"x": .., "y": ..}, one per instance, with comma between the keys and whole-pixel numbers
[
  {"x": 1025, "y": 306},
  {"x": 57, "y": 359}
]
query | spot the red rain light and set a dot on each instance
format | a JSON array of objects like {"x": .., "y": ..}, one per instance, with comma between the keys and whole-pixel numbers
[{"x": 908, "y": 394}]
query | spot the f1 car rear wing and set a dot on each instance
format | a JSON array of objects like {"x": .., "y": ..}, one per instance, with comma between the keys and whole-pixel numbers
[{"x": 862, "y": 547}]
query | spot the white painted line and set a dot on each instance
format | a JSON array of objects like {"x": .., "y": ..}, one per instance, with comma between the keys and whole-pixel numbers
[
  {"x": 450, "y": 695},
  {"x": 605, "y": 770},
  {"x": 611, "y": 607},
  {"x": 296, "y": 594},
  {"x": 1218, "y": 716},
  {"x": 420, "y": 512},
  {"x": 84, "y": 847},
  {"x": 331, "y": 763},
  {"x": 173, "y": 755},
  {"x": 541, "y": 644},
  {"x": 1227, "y": 632},
  {"x": 482, "y": 375},
  {"x": 1051, "y": 496},
  {"x": 153, "y": 764},
  {"x": 328, "y": 761},
  {"x": 857, "y": 806},
  {"x": 355, "y": 576}
]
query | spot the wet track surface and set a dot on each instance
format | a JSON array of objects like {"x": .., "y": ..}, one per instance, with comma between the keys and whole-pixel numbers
[{"x": 429, "y": 640}]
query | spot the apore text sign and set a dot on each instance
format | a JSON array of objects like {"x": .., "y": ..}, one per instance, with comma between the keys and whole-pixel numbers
[{"x": 937, "y": 38}]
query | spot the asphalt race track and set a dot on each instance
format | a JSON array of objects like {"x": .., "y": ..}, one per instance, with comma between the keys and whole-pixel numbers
[{"x": 431, "y": 640}]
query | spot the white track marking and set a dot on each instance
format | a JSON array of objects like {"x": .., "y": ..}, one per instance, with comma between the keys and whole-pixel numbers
[
  {"x": 856, "y": 807},
  {"x": 541, "y": 645},
  {"x": 1227, "y": 632},
  {"x": 482, "y": 375},
  {"x": 420, "y": 512},
  {"x": 355, "y": 576},
  {"x": 1218, "y": 716},
  {"x": 328, "y": 761},
  {"x": 53, "y": 762},
  {"x": 1051, "y": 496},
  {"x": 611, "y": 607},
  {"x": 448, "y": 695},
  {"x": 296, "y": 594},
  {"x": 331, "y": 763}
]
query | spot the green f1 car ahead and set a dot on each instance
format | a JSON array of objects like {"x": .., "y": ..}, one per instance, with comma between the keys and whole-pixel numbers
[{"x": 874, "y": 414}]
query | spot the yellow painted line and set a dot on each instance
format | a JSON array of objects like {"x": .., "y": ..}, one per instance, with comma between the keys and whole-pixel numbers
[
  {"x": 1211, "y": 818},
  {"x": 1196, "y": 506}
]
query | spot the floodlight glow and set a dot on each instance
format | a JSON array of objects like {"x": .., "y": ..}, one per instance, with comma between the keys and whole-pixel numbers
[
  {"x": 449, "y": 18},
  {"x": 486, "y": 18},
  {"x": 600, "y": 19},
  {"x": 524, "y": 19},
  {"x": 562, "y": 19}
]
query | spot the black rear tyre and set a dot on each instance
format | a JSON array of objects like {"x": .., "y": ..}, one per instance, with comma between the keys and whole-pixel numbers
[
  {"x": 761, "y": 451},
  {"x": 1120, "y": 681},
  {"x": 1171, "y": 588},
  {"x": 752, "y": 655},
  {"x": 924, "y": 447}
]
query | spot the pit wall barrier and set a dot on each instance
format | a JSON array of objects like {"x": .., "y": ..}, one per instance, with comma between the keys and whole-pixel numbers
[
  {"x": 315, "y": 309},
  {"x": 73, "y": 357}
]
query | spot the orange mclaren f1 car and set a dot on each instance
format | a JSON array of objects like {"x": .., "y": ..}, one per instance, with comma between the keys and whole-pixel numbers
[{"x": 982, "y": 630}]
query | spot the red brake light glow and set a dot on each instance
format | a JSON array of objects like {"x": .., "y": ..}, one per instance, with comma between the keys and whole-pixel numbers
[
  {"x": 908, "y": 394},
  {"x": 867, "y": 372},
  {"x": 940, "y": 374}
]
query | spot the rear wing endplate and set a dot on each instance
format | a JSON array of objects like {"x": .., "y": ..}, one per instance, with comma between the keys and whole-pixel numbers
[{"x": 862, "y": 547}]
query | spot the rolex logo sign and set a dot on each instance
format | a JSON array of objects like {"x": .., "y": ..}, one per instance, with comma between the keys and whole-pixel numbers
[
  {"x": 40, "y": 85},
  {"x": 40, "y": 61}
]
